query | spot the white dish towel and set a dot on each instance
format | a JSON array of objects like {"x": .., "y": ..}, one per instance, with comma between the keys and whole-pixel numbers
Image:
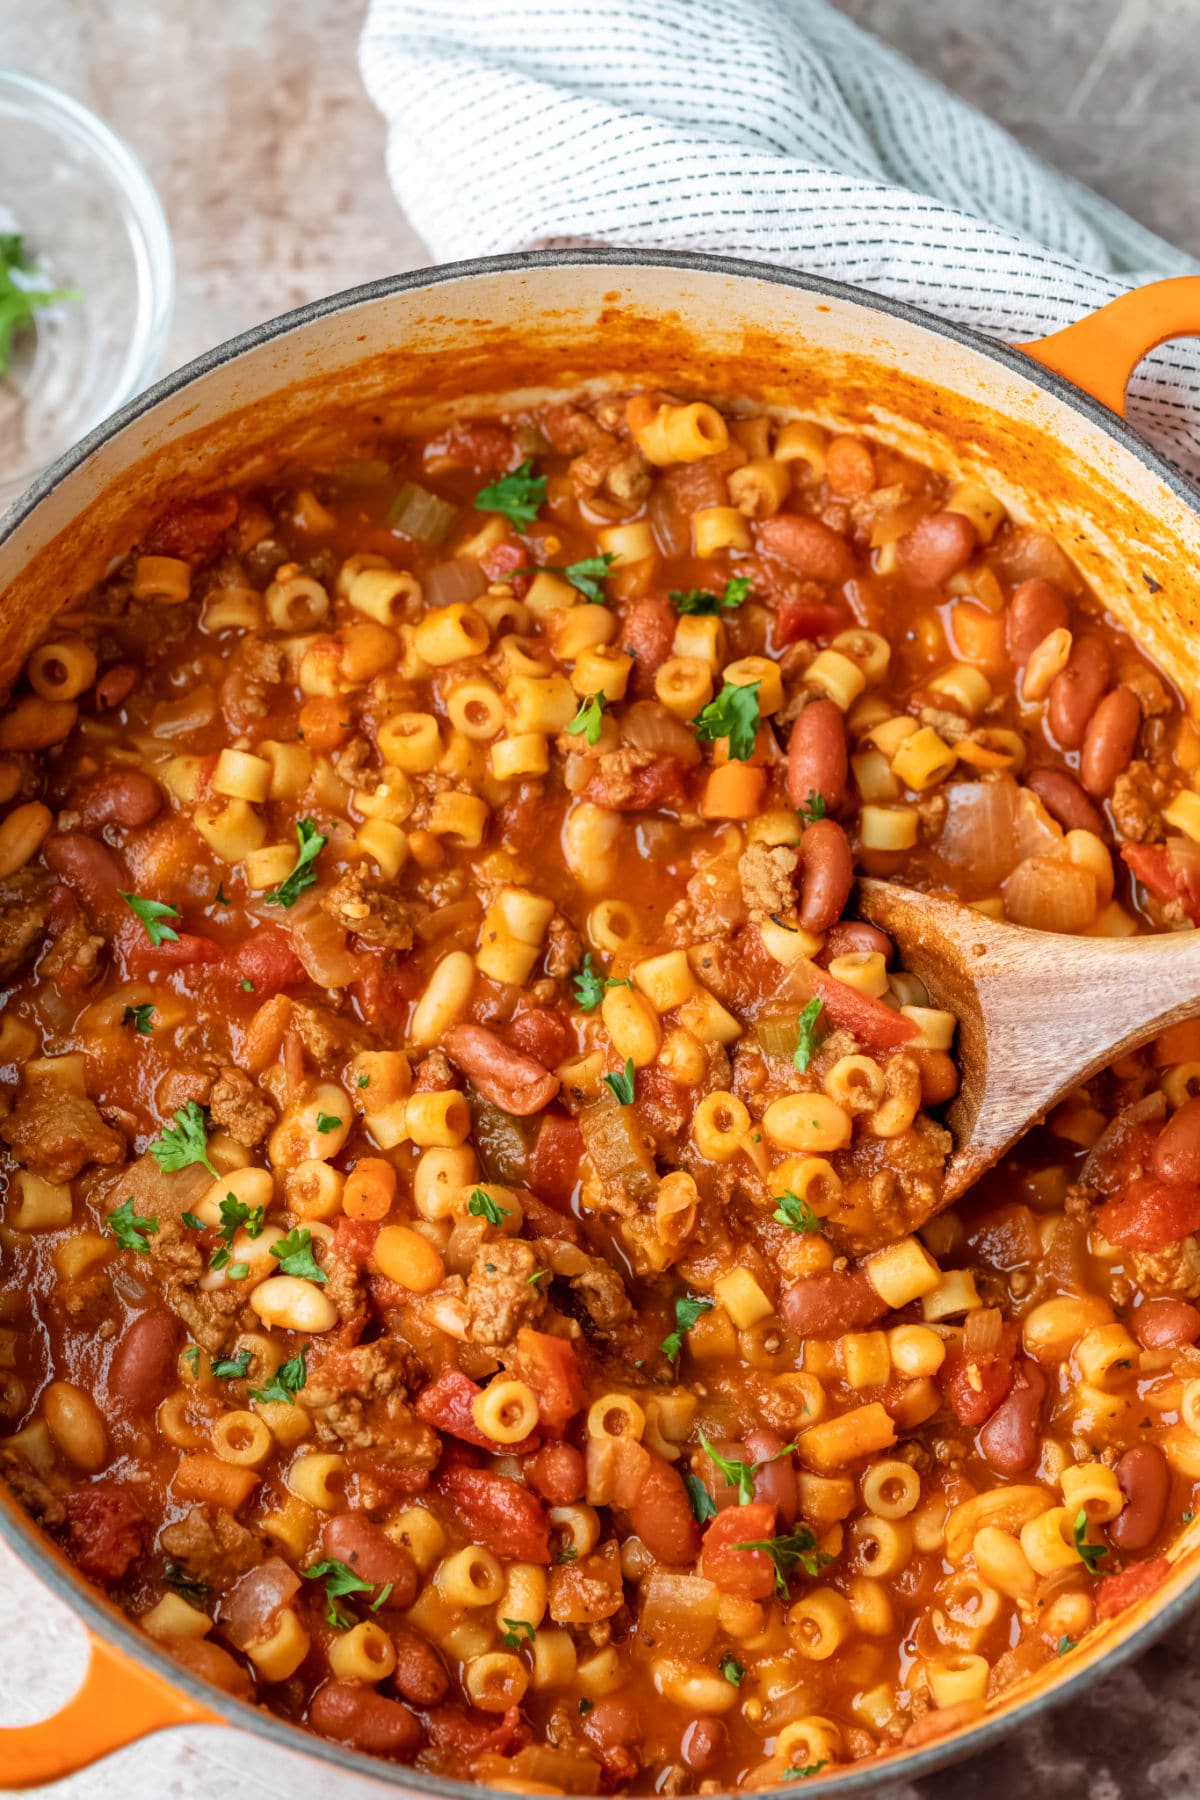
[{"x": 770, "y": 129}]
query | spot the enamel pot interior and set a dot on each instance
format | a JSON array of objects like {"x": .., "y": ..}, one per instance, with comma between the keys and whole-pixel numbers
[{"x": 408, "y": 353}]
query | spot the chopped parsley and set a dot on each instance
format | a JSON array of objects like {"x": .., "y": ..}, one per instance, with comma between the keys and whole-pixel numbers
[
  {"x": 177, "y": 1577},
  {"x": 152, "y": 913},
  {"x": 517, "y": 496},
  {"x": 1093, "y": 1554},
  {"x": 294, "y": 1253},
  {"x": 303, "y": 874},
  {"x": 813, "y": 808},
  {"x": 1064, "y": 1644},
  {"x": 339, "y": 1580},
  {"x": 792, "y": 1210},
  {"x": 698, "y": 600},
  {"x": 139, "y": 1017},
  {"x": 585, "y": 1707},
  {"x": 184, "y": 1143},
  {"x": 192, "y": 1222},
  {"x": 796, "y": 1549},
  {"x": 192, "y": 1355},
  {"x": 232, "y": 1368},
  {"x": 568, "y": 1554},
  {"x": 688, "y": 1309},
  {"x": 702, "y": 1503},
  {"x": 584, "y": 576},
  {"x": 238, "y": 1271},
  {"x": 731, "y": 1669},
  {"x": 364, "y": 1081},
  {"x": 519, "y": 1631},
  {"x": 221, "y": 898},
  {"x": 538, "y": 1275},
  {"x": 588, "y": 719},
  {"x": 482, "y": 1206},
  {"x": 19, "y": 302},
  {"x": 733, "y": 715},
  {"x": 247, "y": 985},
  {"x": 590, "y": 985},
  {"x": 326, "y": 1122},
  {"x": 806, "y": 1027},
  {"x": 287, "y": 1380},
  {"x": 382, "y": 1597},
  {"x": 740, "y": 1475},
  {"x": 621, "y": 1086},
  {"x": 129, "y": 1227},
  {"x": 794, "y": 1774},
  {"x": 235, "y": 1212}
]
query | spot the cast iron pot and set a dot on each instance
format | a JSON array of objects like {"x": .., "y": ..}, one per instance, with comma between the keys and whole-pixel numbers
[{"x": 1042, "y": 426}]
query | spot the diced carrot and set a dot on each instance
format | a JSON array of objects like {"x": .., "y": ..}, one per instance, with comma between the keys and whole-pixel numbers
[
  {"x": 734, "y": 791},
  {"x": 370, "y": 1189},
  {"x": 977, "y": 636},
  {"x": 325, "y": 722}
]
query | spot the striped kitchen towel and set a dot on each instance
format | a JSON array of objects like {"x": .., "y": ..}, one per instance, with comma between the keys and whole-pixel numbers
[{"x": 771, "y": 129}]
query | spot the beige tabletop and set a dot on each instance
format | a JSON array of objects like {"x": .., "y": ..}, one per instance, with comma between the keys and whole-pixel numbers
[{"x": 251, "y": 119}]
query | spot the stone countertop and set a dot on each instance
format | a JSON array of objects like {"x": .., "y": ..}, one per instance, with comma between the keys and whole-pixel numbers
[{"x": 253, "y": 124}]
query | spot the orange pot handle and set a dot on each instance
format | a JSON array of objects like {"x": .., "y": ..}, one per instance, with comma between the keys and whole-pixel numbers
[
  {"x": 119, "y": 1701},
  {"x": 1100, "y": 352}
]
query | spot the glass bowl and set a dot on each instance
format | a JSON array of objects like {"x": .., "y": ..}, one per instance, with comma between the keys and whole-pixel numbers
[{"x": 91, "y": 222}]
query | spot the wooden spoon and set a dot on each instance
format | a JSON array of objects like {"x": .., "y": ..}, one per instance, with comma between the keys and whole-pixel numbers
[{"x": 1038, "y": 1012}]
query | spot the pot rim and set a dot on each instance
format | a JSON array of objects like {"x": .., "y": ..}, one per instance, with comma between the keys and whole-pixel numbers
[{"x": 24, "y": 1537}]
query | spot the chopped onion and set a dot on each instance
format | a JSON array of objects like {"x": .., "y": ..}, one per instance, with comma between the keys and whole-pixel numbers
[
  {"x": 1037, "y": 833},
  {"x": 778, "y": 1035},
  {"x": 616, "y": 1469},
  {"x": 252, "y": 1602},
  {"x": 1024, "y": 553},
  {"x": 978, "y": 840},
  {"x": 321, "y": 945},
  {"x": 1110, "y": 1145},
  {"x": 649, "y": 726},
  {"x": 678, "y": 1611},
  {"x": 617, "y": 1147},
  {"x": 450, "y": 583},
  {"x": 1049, "y": 895},
  {"x": 670, "y": 528},
  {"x": 362, "y": 471},
  {"x": 982, "y": 1333},
  {"x": 421, "y": 515}
]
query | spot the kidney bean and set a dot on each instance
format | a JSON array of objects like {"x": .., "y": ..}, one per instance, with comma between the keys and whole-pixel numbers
[
  {"x": 826, "y": 875},
  {"x": 612, "y": 1722},
  {"x": 1144, "y": 1477},
  {"x": 854, "y": 937},
  {"x": 775, "y": 1480},
  {"x": 1065, "y": 801},
  {"x": 1166, "y": 1324},
  {"x": 647, "y": 635},
  {"x": 1076, "y": 692},
  {"x": 143, "y": 1363},
  {"x": 1108, "y": 741},
  {"x": 824, "y": 1306},
  {"x": 662, "y": 1514},
  {"x": 1009, "y": 1440},
  {"x": 92, "y": 872},
  {"x": 1176, "y": 1153},
  {"x": 126, "y": 797},
  {"x": 558, "y": 1473},
  {"x": 369, "y": 1551},
  {"x": 808, "y": 546},
  {"x": 115, "y": 686},
  {"x": 368, "y": 1721},
  {"x": 1036, "y": 609},
  {"x": 703, "y": 1741},
  {"x": 936, "y": 548},
  {"x": 507, "y": 1077},
  {"x": 817, "y": 756},
  {"x": 420, "y": 1675}
]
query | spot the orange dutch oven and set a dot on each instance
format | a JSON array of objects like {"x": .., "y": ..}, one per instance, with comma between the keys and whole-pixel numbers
[{"x": 1042, "y": 425}]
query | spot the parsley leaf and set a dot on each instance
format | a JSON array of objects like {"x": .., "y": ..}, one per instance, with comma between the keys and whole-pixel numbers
[
  {"x": 688, "y": 1308},
  {"x": 18, "y": 302},
  {"x": 733, "y": 715},
  {"x": 128, "y": 1227},
  {"x": 806, "y": 1026},
  {"x": 584, "y": 576},
  {"x": 519, "y": 1632},
  {"x": 339, "y": 1580},
  {"x": 517, "y": 496},
  {"x": 482, "y": 1206},
  {"x": 238, "y": 1271},
  {"x": 295, "y": 1255},
  {"x": 797, "y": 1213},
  {"x": 794, "y": 1774},
  {"x": 184, "y": 1143},
  {"x": 731, "y": 1669},
  {"x": 192, "y": 1222},
  {"x": 232, "y": 1368},
  {"x": 382, "y": 1596},
  {"x": 192, "y": 1355},
  {"x": 813, "y": 808},
  {"x": 235, "y": 1212},
  {"x": 139, "y": 1017},
  {"x": 287, "y": 1380},
  {"x": 702, "y": 1502},
  {"x": 621, "y": 1086},
  {"x": 1093, "y": 1554},
  {"x": 741, "y": 1474},
  {"x": 588, "y": 719},
  {"x": 538, "y": 1275},
  {"x": 364, "y": 1081},
  {"x": 589, "y": 985},
  {"x": 176, "y": 1576},
  {"x": 326, "y": 1122},
  {"x": 795, "y": 1549},
  {"x": 1064, "y": 1644},
  {"x": 568, "y": 1554},
  {"x": 697, "y": 600},
  {"x": 151, "y": 913},
  {"x": 303, "y": 874}
]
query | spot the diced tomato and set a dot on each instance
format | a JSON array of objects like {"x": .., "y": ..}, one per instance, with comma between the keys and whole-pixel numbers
[
  {"x": 555, "y": 1158},
  {"x": 550, "y": 1367},
  {"x": 1006, "y": 1236},
  {"x": 747, "y": 1573},
  {"x": 1117, "y": 1592},
  {"x": 637, "y": 790},
  {"x": 647, "y": 635},
  {"x": 191, "y": 529},
  {"x": 144, "y": 958},
  {"x": 387, "y": 991},
  {"x": 1166, "y": 880},
  {"x": 355, "y": 1239},
  {"x": 976, "y": 1388},
  {"x": 527, "y": 818},
  {"x": 106, "y": 1531},
  {"x": 1150, "y": 1213},
  {"x": 498, "y": 1513},
  {"x": 501, "y": 562},
  {"x": 448, "y": 1404},
  {"x": 404, "y": 1479},
  {"x": 469, "y": 1734},
  {"x": 266, "y": 960},
  {"x": 875, "y": 1025},
  {"x": 796, "y": 619},
  {"x": 542, "y": 1034},
  {"x": 483, "y": 446}
]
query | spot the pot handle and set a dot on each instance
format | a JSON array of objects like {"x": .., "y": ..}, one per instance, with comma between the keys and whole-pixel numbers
[
  {"x": 119, "y": 1701},
  {"x": 1100, "y": 352}
]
